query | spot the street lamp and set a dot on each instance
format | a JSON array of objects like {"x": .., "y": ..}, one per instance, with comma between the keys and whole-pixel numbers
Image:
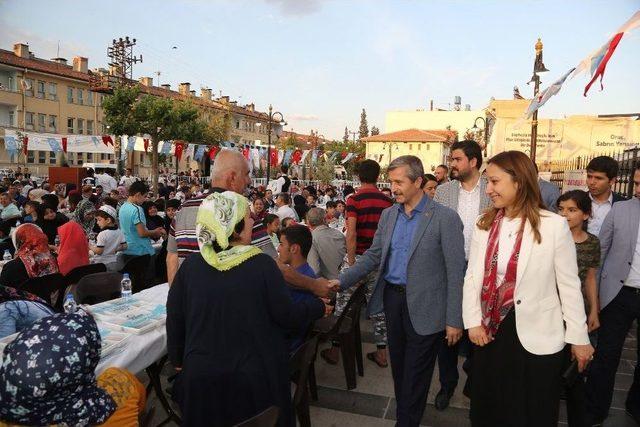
[
  {"x": 272, "y": 114},
  {"x": 485, "y": 121},
  {"x": 538, "y": 68}
]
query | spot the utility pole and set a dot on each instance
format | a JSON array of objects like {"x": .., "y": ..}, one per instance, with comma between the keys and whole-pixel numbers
[{"x": 538, "y": 68}]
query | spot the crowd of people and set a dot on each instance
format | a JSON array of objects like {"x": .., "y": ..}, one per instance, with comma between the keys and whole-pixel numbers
[{"x": 534, "y": 289}]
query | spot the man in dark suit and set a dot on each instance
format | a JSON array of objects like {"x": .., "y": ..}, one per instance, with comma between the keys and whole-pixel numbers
[
  {"x": 418, "y": 254},
  {"x": 602, "y": 172}
]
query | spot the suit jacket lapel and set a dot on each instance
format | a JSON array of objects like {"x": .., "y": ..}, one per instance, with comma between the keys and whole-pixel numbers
[
  {"x": 423, "y": 222},
  {"x": 525, "y": 250}
]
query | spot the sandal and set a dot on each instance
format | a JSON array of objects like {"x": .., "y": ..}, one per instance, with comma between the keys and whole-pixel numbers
[
  {"x": 372, "y": 356},
  {"x": 325, "y": 356}
]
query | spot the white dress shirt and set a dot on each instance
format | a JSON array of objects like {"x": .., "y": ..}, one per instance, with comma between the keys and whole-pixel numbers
[
  {"x": 468, "y": 210},
  {"x": 598, "y": 212},
  {"x": 633, "y": 280},
  {"x": 285, "y": 211}
]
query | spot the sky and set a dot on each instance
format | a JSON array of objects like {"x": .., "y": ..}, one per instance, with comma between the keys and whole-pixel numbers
[{"x": 320, "y": 62}]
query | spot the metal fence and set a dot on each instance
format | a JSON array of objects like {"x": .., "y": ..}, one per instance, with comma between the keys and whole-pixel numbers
[{"x": 628, "y": 161}]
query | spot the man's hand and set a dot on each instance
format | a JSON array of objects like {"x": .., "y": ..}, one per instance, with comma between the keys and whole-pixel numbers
[
  {"x": 334, "y": 285},
  {"x": 453, "y": 335},
  {"x": 593, "y": 321},
  {"x": 583, "y": 353},
  {"x": 479, "y": 337},
  {"x": 328, "y": 308}
]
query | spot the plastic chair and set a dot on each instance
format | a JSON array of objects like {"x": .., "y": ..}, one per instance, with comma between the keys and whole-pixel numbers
[
  {"x": 137, "y": 268},
  {"x": 98, "y": 287},
  {"x": 78, "y": 273},
  {"x": 46, "y": 287},
  {"x": 299, "y": 367},
  {"x": 346, "y": 330},
  {"x": 266, "y": 418}
]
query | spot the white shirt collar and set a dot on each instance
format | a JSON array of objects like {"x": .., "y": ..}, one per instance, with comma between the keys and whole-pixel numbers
[
  {"x": 609, "y": 200},
  {"x": 477, "y": 186}
]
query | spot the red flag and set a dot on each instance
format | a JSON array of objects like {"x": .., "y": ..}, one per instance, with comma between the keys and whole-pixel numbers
[
  {"x": 343, "y": 155},
  {"x": 603, "y": 63},
  {"x": 25, "y": 144},
  {"x": 178, "y": 150},
  {"x": 64, "y": 144},
  {"x": 146, "y": 144},
  {"x": 213, "y": 151},
  {"x": 245, "y": 152},
  {"x": 274, "y": 158},
  {"x": 296, "y": 157},
  {"x": 106, "y": 139}
]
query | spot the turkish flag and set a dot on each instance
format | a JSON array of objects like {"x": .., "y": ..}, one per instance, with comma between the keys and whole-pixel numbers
[
  {"x": 64, "y": 144},
  {"x": 245, "y": 152},
  {"x": 25, "y": 144},
  {"x": 213, "y": 151},
  {"x": 178, "y": 151},
  {"x": 146, "y": 144},
  {"x": 296, "y": 156},
  {"x": 106, "y": 139},
  {"x": 343, "y": 155},
  {"x": 274, "y": 158}
]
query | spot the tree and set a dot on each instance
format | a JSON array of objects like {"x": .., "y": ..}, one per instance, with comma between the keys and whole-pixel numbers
[
  {"x": 345, "y": 138},
  {"x": 325, "y": 172},
  {"x": 375, "y": 131},
  {"x": 364, "y": 127}
]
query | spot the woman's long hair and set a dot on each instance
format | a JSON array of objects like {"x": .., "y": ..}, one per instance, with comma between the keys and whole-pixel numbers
[{"x": 528, "y": 201}]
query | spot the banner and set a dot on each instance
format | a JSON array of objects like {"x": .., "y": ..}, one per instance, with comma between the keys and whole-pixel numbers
[{"x": 575, "y": 180}]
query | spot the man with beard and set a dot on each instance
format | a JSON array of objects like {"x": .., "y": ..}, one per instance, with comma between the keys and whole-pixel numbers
[{"x": 466, "y": 195}]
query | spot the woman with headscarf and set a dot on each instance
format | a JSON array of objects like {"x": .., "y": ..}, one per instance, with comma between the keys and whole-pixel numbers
[
  {"x": 32, "y": 258},
  {"x": 63, "y": 351},
  {"x": 230, "y": 374},
  {"x": 49, "y": 219},
  {"x": 300, "y": 206},
  {"x": 151, "y": 215},
  {"x": 74, "y": 247},
  {"x": 19, "y": 309}
]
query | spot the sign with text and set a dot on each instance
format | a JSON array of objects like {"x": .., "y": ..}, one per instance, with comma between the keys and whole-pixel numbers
[{"x": 574, "y": 180}]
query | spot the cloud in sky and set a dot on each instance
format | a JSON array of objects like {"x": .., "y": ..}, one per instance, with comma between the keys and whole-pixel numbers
[{"x": 297, "y": 7}]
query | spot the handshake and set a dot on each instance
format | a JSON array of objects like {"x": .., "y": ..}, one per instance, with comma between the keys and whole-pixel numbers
[{"x": 326, "y": 288}]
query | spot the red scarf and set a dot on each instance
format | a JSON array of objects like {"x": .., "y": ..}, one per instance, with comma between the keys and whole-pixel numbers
[
  {"x": 32, "y": 247},
  {"x": 74, "y": 247},
  {"x": 496, "y": 299}
]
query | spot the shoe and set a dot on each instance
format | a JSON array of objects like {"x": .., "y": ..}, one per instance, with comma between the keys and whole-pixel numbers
[
  {"x": 372, "y": 356},
  {"x": 442, "y": 399}
]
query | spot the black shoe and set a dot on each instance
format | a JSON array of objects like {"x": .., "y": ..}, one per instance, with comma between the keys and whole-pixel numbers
[{"x": 442, "y": 399}]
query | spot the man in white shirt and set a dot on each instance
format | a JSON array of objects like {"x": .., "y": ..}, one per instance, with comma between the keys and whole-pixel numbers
[
  {"x": 9, "y": 210},
  {"x": 128, "y": 179},
  {"x": 107, "y": 181},
  {"x": 282, "y": 184},
  {"x": 619, "y": 295},
  {"x": 601, "y": 176},
  {"x": 466, "y": 195},
  {"x": 283, "y": 209}
]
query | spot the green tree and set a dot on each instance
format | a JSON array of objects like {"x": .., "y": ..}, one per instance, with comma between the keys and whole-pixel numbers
[
  {"x": 375, "y": 131},
  {"x": 325, "y": 171},
  {"x": 364, "y": 127},
  {"x": 345, "y": 138}
]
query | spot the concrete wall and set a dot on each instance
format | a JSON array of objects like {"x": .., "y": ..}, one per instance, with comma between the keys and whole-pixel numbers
[{"x": 432, "y": 154}]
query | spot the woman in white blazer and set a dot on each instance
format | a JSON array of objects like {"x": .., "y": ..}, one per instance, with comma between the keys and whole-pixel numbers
[{"x": 522, "y": 301}]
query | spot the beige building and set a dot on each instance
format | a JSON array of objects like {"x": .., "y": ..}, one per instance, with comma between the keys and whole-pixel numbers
[
  {"x": 431, "y": 146},
  {"x": 54, "y": 97}
]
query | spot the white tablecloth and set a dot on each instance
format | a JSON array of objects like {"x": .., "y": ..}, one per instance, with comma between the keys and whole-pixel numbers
[{"x": 139, "y": 351}]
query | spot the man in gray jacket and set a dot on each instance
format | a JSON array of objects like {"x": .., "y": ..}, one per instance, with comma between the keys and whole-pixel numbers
[
  {"x": 418, "y": 253},
  {"x": 329, "y": 246},
  {"x": 619, "y": 305}
]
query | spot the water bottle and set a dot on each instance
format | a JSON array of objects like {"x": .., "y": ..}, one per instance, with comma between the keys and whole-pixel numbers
[
  {"x": 125, "y": 286},
  {"x": 70, "y": 304},
  {"x": 57, "y": 241},
  {"x": 7, "y": 256}
]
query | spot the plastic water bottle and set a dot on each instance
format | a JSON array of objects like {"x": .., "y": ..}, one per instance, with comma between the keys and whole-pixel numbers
[
  {"x": 70, "y": 305},
  {"x": 125, "y": 286}
]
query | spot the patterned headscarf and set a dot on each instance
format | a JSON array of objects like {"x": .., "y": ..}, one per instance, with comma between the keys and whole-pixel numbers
[
  {"x": 48, "y": 374},
  {"x": 32, "y": 247},
  {"x": 217, "y": 218}
]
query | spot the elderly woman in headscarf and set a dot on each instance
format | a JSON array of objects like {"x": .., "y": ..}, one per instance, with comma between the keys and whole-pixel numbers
[
  {"x": 74, "y": 247},
  {"x": 231, "y": 373},
  {"x": 32, "y": 258},
  {"x": 48, "y": 376}
]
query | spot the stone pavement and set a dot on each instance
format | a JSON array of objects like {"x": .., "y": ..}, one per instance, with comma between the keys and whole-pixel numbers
[{"x": 372, "y": 403}]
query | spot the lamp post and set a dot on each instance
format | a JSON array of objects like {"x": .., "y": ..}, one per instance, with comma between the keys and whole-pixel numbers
[
  {"x": 272, "y": 114},
  {"x": 485, "y": 123},
  {"x": 538, "y": 68}
]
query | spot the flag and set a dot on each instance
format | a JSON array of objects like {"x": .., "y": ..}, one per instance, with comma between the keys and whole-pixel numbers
[
  {"x": 305, "y": 153},
  {"x": 296, "y": 156},
  {"x": 348, "y": 157},
  {"x": 25, "y": 145},
  {"x": 178, "y": 150},
  {"x": 54, "y": 144},
  {"x": 199, "y": 153},
  {"x": 274, "y": 158},
  {"x": 106, "y": 139},
  {"x": 11, "y": 146},
  {"x": 191, "y": 150},
  {"x": 131, "y": 143},
  {"x": 146, "y": 144},
  {"x": 245, "y": 152},
  {"x": 287, "y": 157},
  {"x": 213, "y": 150},
  {"x": 64, "y": 143},
  {"x": 543, "y": 96},
  {"x": 597, "y": 61},
  {"x": 166, "y": 148}
]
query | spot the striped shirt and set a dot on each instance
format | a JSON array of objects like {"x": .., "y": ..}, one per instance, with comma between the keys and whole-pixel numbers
[
  {"x": 183, "y": 238},
  {"x": 366, "y": 205}
]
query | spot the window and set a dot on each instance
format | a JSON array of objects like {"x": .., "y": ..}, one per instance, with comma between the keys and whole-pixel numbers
[
  {"x": 237, "y": 124},
  {"x": 103, "y": 156},
  {"x": 53, "y": 91},
  {"x": 80, "y": 126},
  {"x": 89, "y": 157},
  {"x": 70, "y": 95},
  {"x": 89, "y": 97},
  {"x": 11, "y": 118},
  {"x": 70, "y": 125},
  {"x": 28, "y": 119},
  {"x": 89, "y": 127},
  {"x": 52, "y": 158},
  {"x": 28, "y": 90},
  {"x": 30, "y": 157},
  {"x": 53, "y": 123},
  {"x": 79, "y": 159},
  {"x": 42, "y": 118},
  {"x": 40, "y": 92},
  {"x": 80, "y": 96},
  {"x": 42, "y": 156}
]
